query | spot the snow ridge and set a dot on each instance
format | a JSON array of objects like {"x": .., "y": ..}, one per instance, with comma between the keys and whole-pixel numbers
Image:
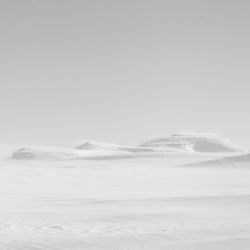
[
  {"x": 206, "y": 143},
  {"x": 190, "y": 144}
]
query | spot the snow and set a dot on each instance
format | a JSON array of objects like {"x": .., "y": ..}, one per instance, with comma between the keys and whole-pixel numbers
[
  {"x": 45, "y": 153},
  {"x": 207, "y": 143},
  {"x": 154, "y": 200},
  {"x": 82, "y": 152},
  {"x": 238, "y": 160},
  {"x": 176, "y": 145},
  {"x": 96, "y": 145}
]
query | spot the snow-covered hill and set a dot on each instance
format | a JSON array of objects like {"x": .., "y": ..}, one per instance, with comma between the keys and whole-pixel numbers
[{"x": 204, "y": 143}]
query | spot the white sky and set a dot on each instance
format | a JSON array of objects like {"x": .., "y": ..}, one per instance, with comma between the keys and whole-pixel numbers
[{"x": 123, "y": 71}]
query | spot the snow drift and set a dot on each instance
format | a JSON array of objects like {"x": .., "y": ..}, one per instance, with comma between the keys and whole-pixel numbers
[
  {"x": 229, "y": 161},
  {"x": 203, "y": 143},
  {"x": 84, "y": 150},
  {"x": 46, "y": 153}
]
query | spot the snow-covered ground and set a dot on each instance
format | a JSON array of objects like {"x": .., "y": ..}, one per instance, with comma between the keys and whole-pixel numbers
[{"x": 151, "y": 200}]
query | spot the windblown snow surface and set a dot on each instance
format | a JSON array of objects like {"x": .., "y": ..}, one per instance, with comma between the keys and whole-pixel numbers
[{"x": 96, "y": 198}]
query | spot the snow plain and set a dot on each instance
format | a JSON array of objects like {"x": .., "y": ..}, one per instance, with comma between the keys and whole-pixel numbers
[{"x": 150, "y": 200}]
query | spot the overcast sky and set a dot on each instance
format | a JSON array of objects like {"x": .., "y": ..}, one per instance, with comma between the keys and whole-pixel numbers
[{"x": 123, "y": 71}]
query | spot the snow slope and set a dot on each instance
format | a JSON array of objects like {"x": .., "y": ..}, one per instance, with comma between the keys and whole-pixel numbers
[
  {"x": 147, "y": 199},
  {"x": 135, "y": 203},
  {"x": 238, "y": 160}
]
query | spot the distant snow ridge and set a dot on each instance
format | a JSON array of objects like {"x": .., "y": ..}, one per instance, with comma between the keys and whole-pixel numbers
[
  {"x": 95, "y": 145},
  {"x": 46, "y": 153},
  {"x": 101, "y": 146},
  {"x": 83, "y": 150},
  {"x": 203, "y": 143},
  {"x": 176, "y": 144}
]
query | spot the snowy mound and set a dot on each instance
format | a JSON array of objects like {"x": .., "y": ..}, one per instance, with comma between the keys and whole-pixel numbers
[
  {"x": 203, "y": 143},
  {"x": 46, "y": 153},
  {"x": 95, "y": 145}
]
